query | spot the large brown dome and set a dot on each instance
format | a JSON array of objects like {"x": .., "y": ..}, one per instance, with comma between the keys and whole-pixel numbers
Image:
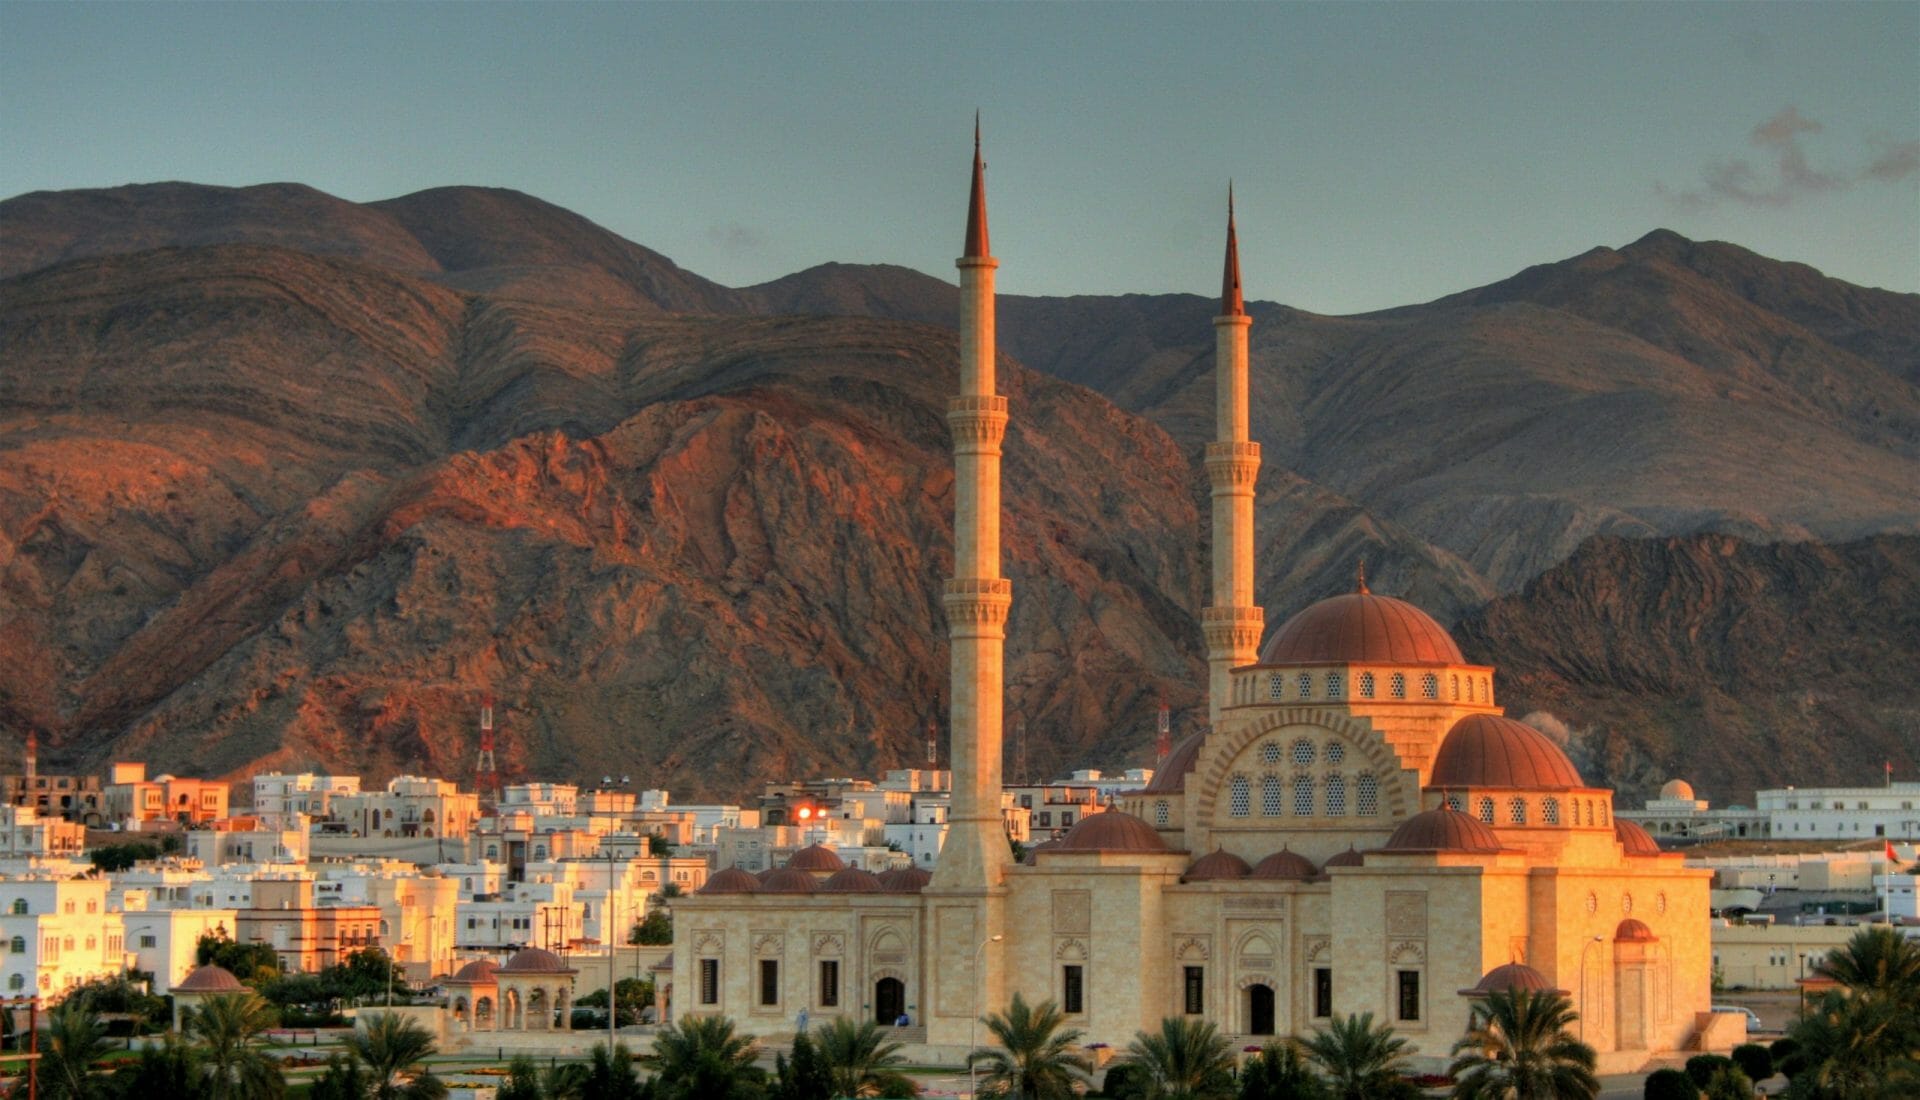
[
  {"x": 1361, "y": 627},
  {"x": 733, "y": 880},
  {"x": 1509, "y": 977},
  {"x": 788, "y": 881},
  {"x": 906, "y": 880},
  {"x": 851, "y": 880},
  {"x": 1171, "y": 777},
  {"x": 1486, "y": 750},
  {"x": 1112, "y": 831},
  {"x": 1634, "y": 840},
  {"x": 535, "y": 960},
  {"x": 1443, "y": 830},
  {"x": 477, "y": 972}
]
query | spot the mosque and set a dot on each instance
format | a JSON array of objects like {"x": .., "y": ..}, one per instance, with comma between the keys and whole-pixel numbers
[{"x": 1359, "y": 829}]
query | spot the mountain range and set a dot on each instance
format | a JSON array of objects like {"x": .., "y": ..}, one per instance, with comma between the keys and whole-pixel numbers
[{"x": 289, "y": 481}]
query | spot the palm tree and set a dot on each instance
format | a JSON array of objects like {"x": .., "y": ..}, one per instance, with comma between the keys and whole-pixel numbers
[
  {"x": 1187, "y": 1060},
  {"x": 169, "y": 1069},
  {"x": 609, "y": 1075},
  {"x": 700, "y": 1058},
  {"x": 1517, "y": 1047},
  {"x": 391, "y": 1045},
  {"x": 1852, "y": 1048},
  {"x": 75, "y": 1039},
  {"x": 1362, "y": 1061},
  {"x": 230, "y": 1068},
  {"x": 1280, "y": 1072},
  {"x": 859, "y": 1061},
  {"x": 1876, "y": 961},
  {"x": 1032, "y": 1062}
]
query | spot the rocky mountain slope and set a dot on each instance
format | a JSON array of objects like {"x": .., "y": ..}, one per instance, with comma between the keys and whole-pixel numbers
[{"x": 290, "y": 479}]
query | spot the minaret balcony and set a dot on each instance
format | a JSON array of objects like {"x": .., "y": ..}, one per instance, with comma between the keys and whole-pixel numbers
[
  {"x": 977, "y": 418},
  {"x": 1232, "y": 464}
]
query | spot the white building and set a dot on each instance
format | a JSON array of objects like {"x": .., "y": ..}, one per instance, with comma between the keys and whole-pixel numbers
[
  {"x": 282, "y": 839},
  {"x": 163, "y": 941},
  {"x": 24, "y": 832},
  {"x": 536, "y": 914},
  {"x": 1843, "y": 813},
  {"x": 56, "y": 934},
  {"x": 306, "y": 793}
]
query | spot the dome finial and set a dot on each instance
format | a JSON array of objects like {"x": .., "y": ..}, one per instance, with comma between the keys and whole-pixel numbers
[
  {"x": 1232, "y": 302},
  {"x": 1360, "y": 578},
  {"x": 976, "y": 245}
]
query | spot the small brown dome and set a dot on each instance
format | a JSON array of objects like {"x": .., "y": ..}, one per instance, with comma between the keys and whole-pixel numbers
[
  {"x": 1361, "y": 627},
  {"x": 1171, "y": 776},
  {"x": 733, "y": 880},
  {"x": 535, "y": 960},
  {"x": 905, "y": 880},
  {"x": 1031, "y": 858},
  {"x": 1512, "y": 976},
  {"x": 1633, "y": 931},
  {"x": 477, "y": 972},
  {"x": 1349, "y": 858},
  {"x": 1217, "y": 864},
  {"x": 851, "y": 880},
  {"x": 1112, "y": 831},
  {"x": 1486, "y": 750},
  {"x": 816, "y": 857},
  {"x": 764, "y": 873},
  {"x": 1442, "y": 830},
  {"x": 788, "y": 881},
  {"x": 1634, "y": 840},
  {"x": 1285, "y": 864},
  {"x": 210, "y": 979}
]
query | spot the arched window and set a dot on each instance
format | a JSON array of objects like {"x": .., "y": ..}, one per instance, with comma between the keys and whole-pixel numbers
[
  {"x": 1270, "y": 796},
  {"x": 1397, "y": 685},
  {"x": 1333, "y": 685},
  {"x": 1336, "y": 796},
  {"x": 19, "y": 906},
  {"x": 1589, "y": 811},
  {"x": 1161, "y": 813},
  {"x": 1366, "y": 685},
  {"x": 1430, "y": 686},
  {"x": 16, "y": 981},
  {"x": 1276, "y": 686},
  {"x": 1302, "y": 753},
  {"x": 1550, "y": 811},
  {"x": 1303, "y": 796},
  {"x": 1486, "y": 690},
  {"x": 19, "y": 945},
  {"x": 1305, "y": 683},
  {"x": 1456, "y": 803},
  {"x": 1486, "y": 810},
  {"x": 1606, "y": 819},
  {"x": 1517, "y": 810},
  {"x": 1456, "y": 687},
  {"x": 493, "y": 851},
  {"x": 1366, "y": 796},
  {"x": 1239, "y": 796}
]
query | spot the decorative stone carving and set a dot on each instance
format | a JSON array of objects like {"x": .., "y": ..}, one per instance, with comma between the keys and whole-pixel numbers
[
  {"x": 1407, "y": 952},
  {"x": 1192, "y": 948},
  {"x": 829, "y": 944},
  {"x": 1319, "y": 948},
  {"x": 1070, "y": 949},
  {"x": 1073, "y": 912},
  {"x": 708, "y": 941},
  {"x": 1241, "y": 903},
  {"x": 1406, "y": 914},
  {"x": 768, "y": 943}
]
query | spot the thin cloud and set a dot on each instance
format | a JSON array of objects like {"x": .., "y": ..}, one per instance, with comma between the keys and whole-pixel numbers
[
  {"x": 1789, "y": 175},
  {"x": 735, "y": 237}
]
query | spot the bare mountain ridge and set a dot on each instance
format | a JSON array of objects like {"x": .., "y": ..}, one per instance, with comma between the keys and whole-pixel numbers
[
  {"x": 263, "y": 508},
  {"x": 1461, "y": 447}
]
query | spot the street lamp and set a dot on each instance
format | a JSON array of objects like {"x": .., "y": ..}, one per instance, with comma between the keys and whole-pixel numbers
[
  {"x": 973, "y": 1025},
  {"x": 613, "y": 1013}
]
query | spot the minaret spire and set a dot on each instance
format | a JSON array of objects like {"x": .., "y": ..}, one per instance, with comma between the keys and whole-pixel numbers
[
  {"x": 976, "y": 246},
  {"x": 1232, "y": 303},
  {"x": 1232, "y": 622},
  {"x": 968, "y": 890}
]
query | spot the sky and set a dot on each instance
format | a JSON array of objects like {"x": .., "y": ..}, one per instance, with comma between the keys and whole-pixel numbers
[{"x": 1382, "y": 153}]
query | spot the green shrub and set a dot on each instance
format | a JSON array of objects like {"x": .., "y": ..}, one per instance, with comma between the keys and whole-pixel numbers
[
  {"x": 1670, "y": 1084},
  {"x": 1728, "y": 1083},
  {"x": 1786, "y": 1056},
  {"x": 1702, "y": 1067},
  {"x": 1754, "y": 1061}
]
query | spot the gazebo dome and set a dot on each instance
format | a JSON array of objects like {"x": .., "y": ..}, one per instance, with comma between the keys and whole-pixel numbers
[
  {"x": 1361, "y": 627},
  {"x": 1486, "y": 750},
  {"x": 851, "y": 880},
  {"x": 1634, "y": 840},
  {"x": 1633, "y": 931},
  {"x": 477, "y": 972},
  {"x": 1217, "y": 864},
  {"x": 1507, "y": 978},
  {"x": 1171, "y": 778},
  {"x": 1285, "y": 864},
  {"x": 1442, "y": 830},
  {"x": 816, "y": 857},
  {"x": 905, "y": 880},
  {"x": 1112, "y": 831},
  {"x": 787, "y": 880},
  {"x": 733, "y": 880},
  {"x": 1677, "y": 790},
  {"x": 210, "y": 979},
  {"x": 535, "y": 960}
]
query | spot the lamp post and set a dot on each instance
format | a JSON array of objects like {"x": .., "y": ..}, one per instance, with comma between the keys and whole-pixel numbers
[
  {"x": 973, "y": 1025},
  {"x": 613, "y": 1013}
]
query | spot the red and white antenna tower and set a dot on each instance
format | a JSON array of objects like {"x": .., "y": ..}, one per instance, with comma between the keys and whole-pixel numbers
[
  {"x": 487, "y": 773},
  {"x": 1020, "y": 751},
  {"x": 1163, "y": 743},
  {"x": 933, "y": 743},
  {"x": 33, "y": 754}
]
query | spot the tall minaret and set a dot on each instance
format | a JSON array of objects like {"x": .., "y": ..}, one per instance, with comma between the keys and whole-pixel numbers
[
  {"x": 1232, "y": 622},
  {"x": 975, "y": 854}
]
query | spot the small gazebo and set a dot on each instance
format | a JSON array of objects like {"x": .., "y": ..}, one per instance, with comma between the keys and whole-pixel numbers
[
  {"x": 535, "y": 989},
  {"x": 201, "y": 986},
  {"x": 473, "y": 995}
]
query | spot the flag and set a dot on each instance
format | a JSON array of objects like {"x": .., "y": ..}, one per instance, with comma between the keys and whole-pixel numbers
[{"x": 1892, "y": 857}]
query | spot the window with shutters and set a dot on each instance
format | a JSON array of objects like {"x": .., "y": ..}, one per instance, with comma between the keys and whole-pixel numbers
[
  {"x": 709, "y": 981},
  {"x": 1195, "y": 988},
  {"x": 1073, "y": 990}
]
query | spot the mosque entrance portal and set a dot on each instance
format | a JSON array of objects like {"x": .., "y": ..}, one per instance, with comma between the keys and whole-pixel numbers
[{"x": 1260, "y": 1009}]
